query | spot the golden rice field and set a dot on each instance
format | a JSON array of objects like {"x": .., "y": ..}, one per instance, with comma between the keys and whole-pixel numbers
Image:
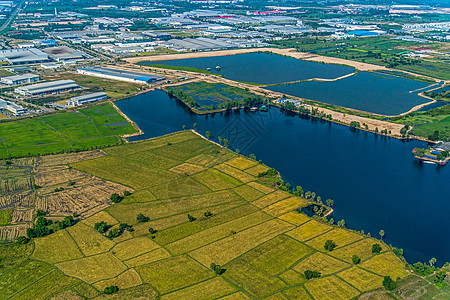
[{"x": 252, "y": 230}]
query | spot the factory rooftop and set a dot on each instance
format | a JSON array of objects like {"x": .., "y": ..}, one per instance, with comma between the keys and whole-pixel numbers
[
  {"x": 64, "y": 53},
  {"x": 50, "y": 87},
  {"x": 23, "y": 56},
  {"x": 118, "y": 74}
]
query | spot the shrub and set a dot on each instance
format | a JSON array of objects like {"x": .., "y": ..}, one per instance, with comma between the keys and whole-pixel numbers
[
  {"x": 355, "y": 259},
  {"x": 113, "y": 233},
  {"x": 329, "y": 245},
  {"x": 125, "y": 226},
  {"x": 208, "y": 214},
  {"x": 101, "y": 227},
  {"x": 22, "y": 240},
  {"x": 111, "y": 289},
  {"x": 67, "y": 222},
  {"x": 152, "y": 231},
  {"x": 42, "y": 222},
  {"x": 311, "y": 274},
  {"x": 191, "y": 218},
  {"x": 217, "y": 269},
  {"x": 388, "y": 283},
  {"x": 126, "y": 193},
  {"x": 376, "y": 248},
  {"x": 115, "y": 198},
  {"x": 142, "y": 219}
]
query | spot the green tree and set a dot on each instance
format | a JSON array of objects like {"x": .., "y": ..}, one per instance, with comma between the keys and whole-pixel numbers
[
  {"x": 329, "y": 245},
  {"x": 330, "y": 202},
  {"x": 220, "y": 139},
  {"x": 432, "y": 261},
  {"x": 208, "y": 214},
  {"x": 388, "y": 283},
  {"x": 142, "y": 219},
  {"x": 238, "y": 151},
  {"x": 355, "y": 259},
  {"x": 111, "y": 289},
  {"x": 191, "y": 218},
  {"x": 252, "y": 156},
  {"x": 101, "y": 227},
  {"x": 22, "y": 240},
  {"x": 208, "y": 134},
  {"x": 195, "y": 126},
  {"x": 226, "y": 143},
  {"x": 440, "y": 276},
  {"x": 219, "y": 270},
  {"x": 115, "y": 198},
  {"x": 311, "y": 274},
  {"x": 184, "y": 127},
  {"x": 152, "y": 231},
  {"x": 381, "y": 234},
  {"x": 376, "y": 248}
]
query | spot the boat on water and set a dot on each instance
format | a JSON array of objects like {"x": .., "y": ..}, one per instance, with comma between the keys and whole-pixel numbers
[
  {"x": 208, "y": 69},
  {"x": 218, "y": 68},
  {"x": 264, "y": 108},
  {"x": 254, "y": 108},
  {"x": 429, "y": 162}
]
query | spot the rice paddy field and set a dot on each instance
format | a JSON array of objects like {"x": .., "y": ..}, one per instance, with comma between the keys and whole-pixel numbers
[
  {"x": 211, "y": 94},
  {"x": 84, "y": 129},
  {"x": 252, "y": 230}
]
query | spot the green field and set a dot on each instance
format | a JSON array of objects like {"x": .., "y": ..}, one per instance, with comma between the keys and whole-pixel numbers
[
  {"x": 253, "y": 231},
  {"x": 205, "y": 96},
  {"x": 433, "y": 124},
  {"x": 84, "y": 129}
]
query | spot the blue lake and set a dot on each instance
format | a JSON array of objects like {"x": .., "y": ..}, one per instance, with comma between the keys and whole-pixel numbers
[
  {"x": 366, "y": 91},
  {"x": 374, "y": 180},
  {"x": 262, "y": 68}
]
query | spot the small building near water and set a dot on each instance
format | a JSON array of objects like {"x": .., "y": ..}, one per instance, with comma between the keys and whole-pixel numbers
[{"x": 88, "y": 98}]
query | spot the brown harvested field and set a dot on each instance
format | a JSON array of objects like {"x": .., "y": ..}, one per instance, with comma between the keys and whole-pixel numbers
[
  {"x": 187, "y": 169},
  {"x": 236, "y": 173},
  {"x": 126, "y": 280},
  {"x": 89, "y": 240},
  {"x": 256, "y": 170},
  {"x": 93, "y": 268},
  {"x": 148, "y": 257},
  {"x": 13, "y": 231},
  {"x": 99, "y": 217},
  {"x": 309, "y": 230},
  {"x": 210, "y": 289},
  {"x": 284, "y": 206},
  {"x": 133, "y": 247},
  {"x": 13, "y": 185},
  {"x": 271, "y": 199},
  {"x": 321, "y": 262},
  {"x": 22, "y": 199},
  {"x": 68, "y": 158},
  {"x": 340, "y": 236},
  {"x": 295, "y": 218},
  {"x": 231, "y": 247},
  {"x": 53, "y": 177},
  {"x": 362, "y": 248},
  {"x": 241, "y": 163},
  {"x": 22, "y": 216},
  {"x": 262, "y": 188},
  {"x": 79, "y": 199},
  {"x": 361, "y": 279}
]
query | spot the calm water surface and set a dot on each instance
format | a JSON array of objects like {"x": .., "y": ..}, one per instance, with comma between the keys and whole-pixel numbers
[
  {"x": 375, "y": 182},
  {"x": 372, "y": 92},
  {"x": 262, "y": 68}
]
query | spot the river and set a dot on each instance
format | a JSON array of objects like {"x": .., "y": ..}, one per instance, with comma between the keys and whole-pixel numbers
[{"x": 374, "y": 180}]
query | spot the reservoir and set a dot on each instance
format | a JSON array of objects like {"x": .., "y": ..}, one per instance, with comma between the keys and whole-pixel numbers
[
  {"x": 367, "y": 91},
  {"x": 261, "y": 68},
  {"x": 375, "y": 182}
]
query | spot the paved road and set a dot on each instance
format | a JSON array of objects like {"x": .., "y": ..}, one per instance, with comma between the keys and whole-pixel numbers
[{"x": 12, "y": 16}]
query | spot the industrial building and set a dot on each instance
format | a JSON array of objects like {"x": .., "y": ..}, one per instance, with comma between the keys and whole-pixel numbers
[
  {"x": 122, "y": 75},
  {"x": 198, "y": 44},
  {"x": 15, "y": 109},
  {"x": 64, "y": 53},
  {"x": 20, "y": 79},
  {"x": 84, "y": 99},
  {"x": 46, "y": 88},
  {"x": 23, "y": 56}
]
